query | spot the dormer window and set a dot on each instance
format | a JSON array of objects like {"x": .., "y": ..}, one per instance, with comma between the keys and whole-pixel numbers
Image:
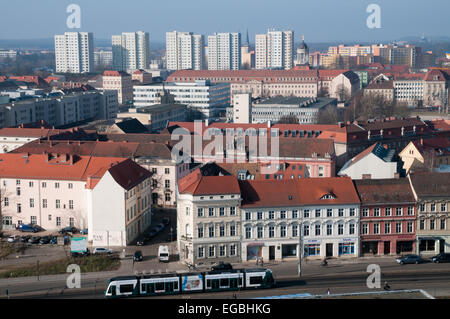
[{"x": 328, "y": 196}]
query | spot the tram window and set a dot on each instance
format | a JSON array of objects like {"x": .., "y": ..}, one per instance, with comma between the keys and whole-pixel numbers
[
  {"x": 159, "y": 286},
  {"x": 208, "y": 283},
  {"x": 240, "y": 281},
  {"x": 255, "y": 280},
  {"x": 175, "y": 285},
  {"x": 151, "y": 287},
  {"x": 224, "y": 282},
  {"x": 126, "y": 288},
  {"x": 143, "y": 286}
]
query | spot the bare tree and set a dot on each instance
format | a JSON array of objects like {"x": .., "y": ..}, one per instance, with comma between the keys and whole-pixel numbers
[
  {"x": 342, "y": 93},
  {"x": 288, "y": 119}
]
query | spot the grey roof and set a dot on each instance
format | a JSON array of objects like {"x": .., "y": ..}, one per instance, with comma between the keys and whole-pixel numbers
[
  {"x": 157, "y": 108},
  {"x": 132, "y": 126},
  {"x": 292, "y": 100}
]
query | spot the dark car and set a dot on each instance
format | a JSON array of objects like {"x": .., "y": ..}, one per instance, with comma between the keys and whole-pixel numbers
[
  {"x": 441, "y": 258},
  {"x": 138, "y": 255},
  {"x": 34, "y": 240},
  {"x": 166, "y": 221},
  {"x": 222, "y": 266},
  {"x": 44, "y": 240},
  {"x": 141, "y": 242},
  {"x": 69, "y": 229},
  {"x": 24, "y": 239},
  {"x": 410, "y": 259}
]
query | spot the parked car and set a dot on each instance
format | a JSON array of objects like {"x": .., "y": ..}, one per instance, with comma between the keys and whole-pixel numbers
[
  {"x": 159, "y": 227},
  {"x": 441, "y": 258},
  {"x": 141, "y": 241},
  {"x": 138, "y": 255},
  {"x": 53, "y": 240},
  {"x": 24, "y": 239},
  {"x": 166, "y": 221},
  {"x": 44, "y": 240},
  {"x": 69, "y": 229},
  {"x": 153, "y": 232},
  {"x": 222, "y": 266},
  {"x": 34, "y": 240},
  {"x": 410, "y": 259},
  {"x": 84, "y": 231},
  {"x": 13, "y": 238},
  {"x": 101, "y": 250},
  {"x": 30, "y": 228}
]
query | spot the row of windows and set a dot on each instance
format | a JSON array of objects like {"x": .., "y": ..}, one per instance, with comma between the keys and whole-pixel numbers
[
  {"x": 387, "y": 228},
  {"x": 7, "y": 220},
  {"x": 44, "y": 204},
  {"x": 222, "y": 251},
  {"x": 212, "y": 211},
  {"x": 432, "y": 224},
  {"x": 294, "y": 214},
  {"x": 31, "y": 184},
  {"x": 282, "y": 230},
  {"x": 388, "y": 211},
  {"x": 212, "y": 231},
  {"x": 433, "y": 207}
]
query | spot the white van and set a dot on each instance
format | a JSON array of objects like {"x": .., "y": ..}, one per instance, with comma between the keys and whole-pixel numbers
[{"x": 163, "y": 253}]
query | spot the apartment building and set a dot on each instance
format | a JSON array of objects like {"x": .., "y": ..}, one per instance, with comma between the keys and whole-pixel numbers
[
  {"x": 205, "y": 99},
  {"x": 224, "y": 51},
  {"x": 185, "y": 50},
  {"x": 131, "y": 51},
  {"x": 74, "y": 52},
  {"x": 109, "y": 196},
  {"x": 432, "y": 194},
  {"x": 274, "y": 50},
  {"x": 121, "y": 82}
]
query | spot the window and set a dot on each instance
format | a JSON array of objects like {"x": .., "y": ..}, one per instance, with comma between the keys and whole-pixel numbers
[
  {"x": 283, "y": 231},
  {"x": 31, "y": 202},
  {"x": 222, "y": 231},
  {"x": 33, "y": 220},
  {"x": 188, "y": 210},
  {"x": 259, "y": 215},
  {"x": 341, "y": 212},
  {"x": 70, "y": 204},
  {"x": 305, "y": 230},
  {"x": 17, "y": 181},
  {"x": 201, "y": 251},
  {"x": 56, "y": 185},
  {"x": 200, "y": 212},
  {"x": 248, "y": 232},
  {"x": 211, "y": 211},
  {"x": 422, "y": 224},
  {"x": 365, "y": 212},
  {"x": 398, "y": 211},
  {"x": 154, "y": 170},
  {"x": 376, "y": 212},
  {"x": 167, "y": 197},
  {"x": 294, "y": 230},
  {"x": 70, "y": 185},
  {"x": 365, "y": 229},
  {"x": 329, "y": 229},
  {"x": 346, "y": 248},
  {"x": 71, "y": 222},
  {"x": 248, "y": 215},
  {"x": 329, "y": 212},
  {"x": 232, "y": 230},
  {"x": 376, "y": 228},
  {"x": 212, "y": 251},
  {"x": 443, "y": 207},
  {"x": 432, "y": 224},
  {"x": 422, "y": 207},
  {"x": 317, "y": 212},
  {"x": 44, "y": 184},
  {"x": 410, "y": 210},
  {"x": 443, "y": 223},
  {"x": 317, "y": 230},
  {"x": 221, "y": 250},
  {"x": 232, "y": 211},
  {"x": 398, "y": 227},
  {"x": 200, "y": 232},
  {"x": 352, "y": 212},
  {"x": 271, "y": 231},
  {"x": 387, "y": 228},
  {"x": 30, "y": 184},
  {"x": 166, "y": 171},
  {"x": 271, "y": 214},
  {"x": 306, "y": 213},
  {"x": 340, "y": 229},
  {"x": 232, "y": 250},
  {"x": 19, "y": 208},
  {"x": 18, "y": 191},
  {"x": 351, "y": 229},
  {"x": 260, "y": 231},
  {"x": 49, "y": 217},
  {"x": 312, "y": 250},
  {"x": 409, "y": 227},
  {"x": 433, "y": 207},
  {"x": 387, "y": 211},
  {"x": 6, "y": 201},
  {"x": 58, "y": 221},
  {"x": 211, "y": 231},
  {"x": 221, "y": 211},
  {"x": 294, "y": 214},
  {"x": 282, "y": 214},
  {"x": 167, "y": 183}
]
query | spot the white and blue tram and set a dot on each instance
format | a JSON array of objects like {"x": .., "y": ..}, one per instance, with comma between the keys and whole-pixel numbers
[{"x": 172, "y": 284}]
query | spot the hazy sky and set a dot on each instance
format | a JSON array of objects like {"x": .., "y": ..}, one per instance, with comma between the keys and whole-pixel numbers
[{"x": 319, "y": 20}]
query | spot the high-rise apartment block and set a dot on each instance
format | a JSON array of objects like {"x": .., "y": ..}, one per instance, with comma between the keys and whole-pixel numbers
[
  {"x": 274, "y": 50},
  {"x": 184, "y": 50},
  {"x": 224, "y": 51},
  {"x": 74, "y": 52},
  {"x": 131, "y": 51}
]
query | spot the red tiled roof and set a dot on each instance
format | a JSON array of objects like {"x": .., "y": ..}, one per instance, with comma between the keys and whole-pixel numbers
[
  {"x": 115, "y": 73},
  {"x": 388, "y": 191},
  {"x": 270, "y": 193},
  {"x": 196, "y": 184},
  {"x": 313, "y": 189}
]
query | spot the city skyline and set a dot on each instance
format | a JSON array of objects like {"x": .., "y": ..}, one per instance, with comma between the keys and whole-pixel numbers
[{"x": 397, "y": 19}]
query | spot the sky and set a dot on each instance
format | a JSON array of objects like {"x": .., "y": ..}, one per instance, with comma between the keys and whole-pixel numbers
[{"x": 318, "y": 20}]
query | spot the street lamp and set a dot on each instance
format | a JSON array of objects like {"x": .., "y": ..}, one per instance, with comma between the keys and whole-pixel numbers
[{"x": 300, "y": 247}]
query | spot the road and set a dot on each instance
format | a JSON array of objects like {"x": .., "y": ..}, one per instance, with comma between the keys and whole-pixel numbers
[{"x": 338, "y": 276}]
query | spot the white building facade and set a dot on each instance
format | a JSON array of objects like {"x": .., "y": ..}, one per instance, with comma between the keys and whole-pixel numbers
[
  {"x": 131, "y": 51},
  {"x": 274, "y": 50},
  {"x": 224, "y": 51},
  {"x": 74, "y": 52},
  {"x": 185, "y": 50}
]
